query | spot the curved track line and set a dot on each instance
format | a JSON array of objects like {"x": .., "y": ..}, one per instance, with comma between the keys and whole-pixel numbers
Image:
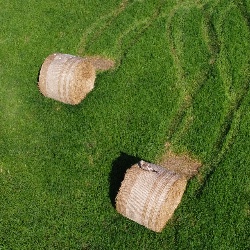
[
  {"x": 186, "y": 95},
  {"x": 232, "y": 118},
  {"x": 95, "y": 30}
]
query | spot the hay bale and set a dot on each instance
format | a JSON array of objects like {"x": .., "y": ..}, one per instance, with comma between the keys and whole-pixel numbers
[
  {"x": 66, "y": 78},
  {"x": 149, "y": 194}
]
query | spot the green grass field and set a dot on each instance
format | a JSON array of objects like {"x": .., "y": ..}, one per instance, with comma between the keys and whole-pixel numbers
[{"x": 182, "y": 76}]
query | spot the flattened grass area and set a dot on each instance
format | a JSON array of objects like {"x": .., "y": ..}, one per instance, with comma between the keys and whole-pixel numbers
[{"x": 182, "y": 77}]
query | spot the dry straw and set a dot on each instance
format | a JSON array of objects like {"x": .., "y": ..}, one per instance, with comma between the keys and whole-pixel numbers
[
  {"x": 66, "y": 78},
  {"x": 100, "y": 63},
  {"x": 182, "y": 164},
  {"x": 149, "y": 195}
]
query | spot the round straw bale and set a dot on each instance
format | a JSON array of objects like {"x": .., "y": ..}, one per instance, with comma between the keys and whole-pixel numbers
[
  {"x": 149, "y": 194},
  {"x": 66, "y": 78}
]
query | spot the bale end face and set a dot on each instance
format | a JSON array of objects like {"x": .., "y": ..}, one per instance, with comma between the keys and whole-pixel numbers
[
  {"x": 149, "y": 195},
  {"x": 43, "y": 74}
]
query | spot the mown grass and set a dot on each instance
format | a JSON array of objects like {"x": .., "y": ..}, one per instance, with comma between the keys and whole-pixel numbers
[{"x": 182, "y": 77}]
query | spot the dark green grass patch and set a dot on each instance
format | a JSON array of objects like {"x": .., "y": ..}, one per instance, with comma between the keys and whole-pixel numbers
[{"x": 182, "y": 76}]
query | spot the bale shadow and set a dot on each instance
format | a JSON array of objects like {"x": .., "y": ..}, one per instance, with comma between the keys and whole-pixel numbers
[
  {"x": 38, "y": 74},
  {"x": 116, "y": 176}
]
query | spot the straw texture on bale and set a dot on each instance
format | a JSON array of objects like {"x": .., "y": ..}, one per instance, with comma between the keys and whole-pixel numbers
[
  {"x": 149, "y": 194},
  {"x": 66, "y": 78}
]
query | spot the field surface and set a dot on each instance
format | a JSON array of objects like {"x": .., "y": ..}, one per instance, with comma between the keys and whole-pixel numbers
[{"x": 181, "y": 79}]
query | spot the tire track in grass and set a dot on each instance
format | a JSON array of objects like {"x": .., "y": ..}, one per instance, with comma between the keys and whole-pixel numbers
[
  {"x": 126, "y": 37},
  {"x": 122, "y": 47},
  {"x": 210, "y": 36},
  {"x": 183, "y": 116},
  {"x": 188, "y": 88},
  {"x": 183, "y": 105},
  {"x": 235, "y": 95},
  {"x": 232, "y": 118},
  {"x": 137, "y": 30},
  {"x": 228, "y": 133},
  {"x": 242, "y": 5},
  {"x": 97, "y": 28},
  {"x": 184, "y": 113}
]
